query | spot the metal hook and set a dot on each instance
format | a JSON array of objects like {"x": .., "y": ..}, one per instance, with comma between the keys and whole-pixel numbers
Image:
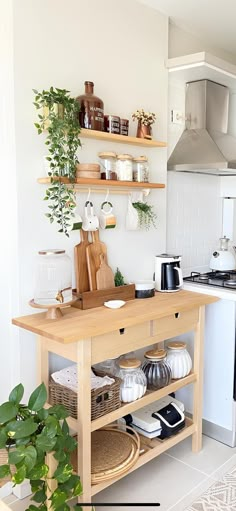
[
  {"x": 107, "y": 195},
  {"x": 88, "y": 196}
]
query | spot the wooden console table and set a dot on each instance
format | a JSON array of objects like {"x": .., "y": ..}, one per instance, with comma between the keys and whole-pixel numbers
[{"x": 91, "y": 336}]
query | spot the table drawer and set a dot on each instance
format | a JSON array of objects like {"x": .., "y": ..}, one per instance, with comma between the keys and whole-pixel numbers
[
  {"x": 120, "y": 341},
  {"x": 176, "y": 324}
]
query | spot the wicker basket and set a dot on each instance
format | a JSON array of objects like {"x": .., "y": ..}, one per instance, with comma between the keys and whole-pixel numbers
[{"x": 103, "y": 400}]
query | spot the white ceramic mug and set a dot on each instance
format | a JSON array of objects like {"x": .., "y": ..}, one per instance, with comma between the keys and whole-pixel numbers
[
  {"x": 106, "y": 219},
  {"x": 90, "y": 221}
]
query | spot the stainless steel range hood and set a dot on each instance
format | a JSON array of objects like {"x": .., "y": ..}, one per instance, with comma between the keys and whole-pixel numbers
[{"x": 205, "y": 147}]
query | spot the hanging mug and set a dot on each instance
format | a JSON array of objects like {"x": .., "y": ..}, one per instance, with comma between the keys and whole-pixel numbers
[
  {"x": 107, "y": 220},
  {"x": 90, "y": 222}
]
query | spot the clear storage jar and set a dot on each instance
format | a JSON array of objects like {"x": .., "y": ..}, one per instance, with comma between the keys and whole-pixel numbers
[
  {"x": 141, "y": 169},
  {"x": 108, "y": 165},
  {"x": 134, "y": 383},
  {"x": 156, "y": 369},
  {"x": 124, "y": 167},
  {"x": 109, "y": 367},
  {"x": 178, "y": 359},
  {"x": 53, "y": 281}
]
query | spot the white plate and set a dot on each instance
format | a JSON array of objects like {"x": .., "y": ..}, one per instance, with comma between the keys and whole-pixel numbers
[{"x": 114, "y": 304}]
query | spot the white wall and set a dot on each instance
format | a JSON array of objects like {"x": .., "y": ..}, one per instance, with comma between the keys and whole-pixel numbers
[
  {"x": 122, "y": 47},
  {"x": 194, "y": 204},
  {"x": 9, "y": 336},
  {"x": 184, "y": 43}
]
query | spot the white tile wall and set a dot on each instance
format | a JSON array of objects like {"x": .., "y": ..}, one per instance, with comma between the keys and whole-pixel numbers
[
  {"x": 194, "y": 218},
  {"x": 194, "y": 203}
]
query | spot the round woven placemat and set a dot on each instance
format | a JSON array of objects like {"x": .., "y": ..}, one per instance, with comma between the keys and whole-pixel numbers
[
  {"x": 109, "y": 450},
  {"x": 114, "y": 451}
]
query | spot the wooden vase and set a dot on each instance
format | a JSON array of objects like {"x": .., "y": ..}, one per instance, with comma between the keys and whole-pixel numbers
[{"x": 143, "y": 131}]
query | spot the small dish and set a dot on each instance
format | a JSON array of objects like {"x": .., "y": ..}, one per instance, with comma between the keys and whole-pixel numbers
[{"x": 114, "y": 304}]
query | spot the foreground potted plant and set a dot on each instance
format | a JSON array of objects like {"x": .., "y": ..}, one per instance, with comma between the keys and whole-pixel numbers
[
  {"x": 28, "y": 432},
  {"x": 58, "y": 114},
  {"x": 145, "y": 121}
]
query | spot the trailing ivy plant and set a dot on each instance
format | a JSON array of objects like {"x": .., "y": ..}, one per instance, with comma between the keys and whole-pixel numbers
[
  {"x": 28, "y": 432},
  {"x": 58, "y": 114},
  {"x": 146, "y": 215}
]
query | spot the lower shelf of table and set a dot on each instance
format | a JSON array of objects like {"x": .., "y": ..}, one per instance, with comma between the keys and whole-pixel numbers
[{"x": 152, "y": 448}]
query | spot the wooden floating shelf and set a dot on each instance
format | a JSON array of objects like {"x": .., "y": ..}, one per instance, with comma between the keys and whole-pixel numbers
[
  {"x": 152, "y": 447},
  {"x": 87, "y": 182},
  {"x": 127, "y": 408},
  {"x": 112, "y": 137}
]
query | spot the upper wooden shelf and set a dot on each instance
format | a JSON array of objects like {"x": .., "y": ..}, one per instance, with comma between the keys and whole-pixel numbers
[
  {"x": 202, "y": 66},
  {"x": 112, "y": 137},
  {"x": 104, "y": 183}
]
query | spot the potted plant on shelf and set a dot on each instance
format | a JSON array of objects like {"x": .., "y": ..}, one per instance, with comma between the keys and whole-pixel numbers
[
  {"x": 27, "y": 434},
  {"x": 58, "y": 114},
  {"x": 145, "y": 121}
]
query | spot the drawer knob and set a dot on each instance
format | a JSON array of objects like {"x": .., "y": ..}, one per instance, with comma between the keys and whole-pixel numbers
[
  {"x": 122, "y": 331},
  {"x": 177, "y": 315}
]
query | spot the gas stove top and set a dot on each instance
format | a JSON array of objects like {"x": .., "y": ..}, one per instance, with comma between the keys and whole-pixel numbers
[{"x": 214, "y": 278}]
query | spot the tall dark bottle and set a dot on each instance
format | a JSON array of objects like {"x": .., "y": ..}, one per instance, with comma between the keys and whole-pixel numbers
[{"x": 91, "y": 114}]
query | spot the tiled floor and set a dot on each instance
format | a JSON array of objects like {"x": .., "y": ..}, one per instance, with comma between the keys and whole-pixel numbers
[{"x": 176, "y": 479}]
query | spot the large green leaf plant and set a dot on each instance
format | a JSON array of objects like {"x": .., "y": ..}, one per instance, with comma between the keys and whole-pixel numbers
[
  {"x": 58, "y": 114},
  {"x": 29, "y": 432}
]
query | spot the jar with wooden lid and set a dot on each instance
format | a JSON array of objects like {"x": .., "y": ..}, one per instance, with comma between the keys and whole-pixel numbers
[
  {"x": 156, "y": 369},
  {"x": 124, "y": 167},
  {"x": 178, "y": 359},
  {"x": 141, "y": 169},
  {"x": 134, "y": 383},
  {"x": 91, "y": 113},
  {"x": 108, "y": 165}
]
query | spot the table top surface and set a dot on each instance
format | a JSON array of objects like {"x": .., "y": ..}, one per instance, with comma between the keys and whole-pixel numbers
[{"x": 77, "y": 324}]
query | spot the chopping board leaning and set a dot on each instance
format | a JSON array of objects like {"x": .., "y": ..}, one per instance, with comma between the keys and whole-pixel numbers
[
  {"x": 104, "y": 276},
  {"x": 81, "y": 269},
  {"x": 93, "y": 252}
]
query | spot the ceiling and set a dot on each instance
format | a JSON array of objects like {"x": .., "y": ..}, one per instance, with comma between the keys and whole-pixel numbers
[{"x": 211, "y": 20}]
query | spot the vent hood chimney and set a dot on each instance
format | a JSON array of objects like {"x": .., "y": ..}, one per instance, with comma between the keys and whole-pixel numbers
[{"x": 204, "y": 146}]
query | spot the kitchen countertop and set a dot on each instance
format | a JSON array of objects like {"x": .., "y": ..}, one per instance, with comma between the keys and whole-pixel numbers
[
  {"x": 220, "y": 292},
  {"x": 76, "y": 324}
]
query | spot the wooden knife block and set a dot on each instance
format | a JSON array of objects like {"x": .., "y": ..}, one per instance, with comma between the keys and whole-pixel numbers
[{"x": 92, "y": 299}]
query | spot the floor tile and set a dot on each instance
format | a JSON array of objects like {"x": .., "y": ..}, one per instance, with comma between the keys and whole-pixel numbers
[
  {"x": 190, "y": 497},
  {"x": 226, "y": 471},
  {"x": 212, "y": 456},
  {"x": 163, "y": 480}
]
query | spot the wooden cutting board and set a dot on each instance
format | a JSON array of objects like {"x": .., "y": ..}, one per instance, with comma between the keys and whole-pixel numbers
[
  {"x": 81, "y": 268},
  {"x": 93, "y": 252},
  {"x": 104, "y": 276}
]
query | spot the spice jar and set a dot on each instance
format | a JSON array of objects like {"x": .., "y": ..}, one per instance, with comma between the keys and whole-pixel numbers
[
  {"x": 53, "y": 283},
  {"x": 124, "y": 127},
  {"x": 156, "y": 369},
  {"x": 91, "y": 115},
  {"x": 108, "y": 165},
  {"x": 140, "y": 169},
  {"x": 134, "y": 383},
  {"x": 112, "y": 124},
  {"x": 178, "y": 359},
  {"x": 124, "y": 167}
]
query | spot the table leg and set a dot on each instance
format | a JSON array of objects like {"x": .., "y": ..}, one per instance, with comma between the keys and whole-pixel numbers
[
  {"x": 42, "y": 361},
  {"x": 84, "y": 418},
  {"x": 198, "y": 385}
]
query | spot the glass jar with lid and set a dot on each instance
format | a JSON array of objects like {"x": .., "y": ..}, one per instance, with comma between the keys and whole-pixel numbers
[
  {"x": 156, "y": 369},
  {"x": 108, "y": 367},
  {"x": 108, "y": 165},
  {"x": 53, "y": 279},
  {"x": 124, "y": 167},
  {"x": 141, "y": 169},
  {"x": 178, "y": 359},
  {"x": 134, "y": 383}
]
